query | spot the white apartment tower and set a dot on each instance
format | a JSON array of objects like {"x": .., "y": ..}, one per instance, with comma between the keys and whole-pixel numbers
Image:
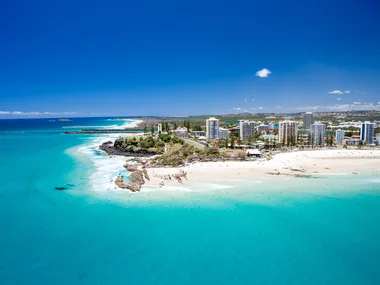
[
  {"x": 212, "y": 128},
  {"x": 263, "y": 129},
  {"x": 159, "y": 128},
  {"x": 287, "y": 130},
  {"x": 317, "y": 132},
  {"x": 224, "y": 133},
  {"x": 308, "y": 119},
  {"x": 247, "y": 130},
  {"x": 339, "y": 136},
  {"x": 367, "y": 130}
]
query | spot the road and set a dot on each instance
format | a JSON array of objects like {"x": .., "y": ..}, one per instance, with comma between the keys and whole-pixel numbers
[{"x": 194, "y": 143}]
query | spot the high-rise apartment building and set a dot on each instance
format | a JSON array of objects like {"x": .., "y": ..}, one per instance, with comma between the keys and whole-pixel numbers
[
  {"x": 263, "y": 129},
  {"x": 367, "y": 131},
  {"x": 247, "y": 130},
  {"x": 159, "y": 128},
  {"x": 339, "y": 137},
  {"x": 287, "y": 132},
  {"x": 212, "y": 129},
  {"x": 308, "y": 119},
  {"x": 317, "y": 132},
  {"x": 224, "y": 133}
]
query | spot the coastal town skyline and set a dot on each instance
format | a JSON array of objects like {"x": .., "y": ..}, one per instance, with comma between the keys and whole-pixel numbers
[
  {"x": 220, "y": 58},
  {"x": 189, "y": 142}
]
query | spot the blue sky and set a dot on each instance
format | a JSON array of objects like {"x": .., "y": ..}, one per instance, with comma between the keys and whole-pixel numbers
[{"x": 187, "y": 57}]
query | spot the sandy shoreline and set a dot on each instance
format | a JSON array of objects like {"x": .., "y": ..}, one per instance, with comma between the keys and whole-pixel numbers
[{"x": 317, "y": 162}]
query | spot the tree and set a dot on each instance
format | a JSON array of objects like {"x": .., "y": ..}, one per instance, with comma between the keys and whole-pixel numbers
[
  {"x": 152, "y": 129},
  {"x": 145, "y": 129},
  {"x": 273, "y": 142},
  {"x": 292, "y": 141},
  {"x": 266, "y": 143},
  {"x": 226, "y": 143},
  {"x": 312, "y": 141},
  {"x": 320, "y": 140},
  {"x": 331, "y": 139},
  {"x": 232, "y": 142}
]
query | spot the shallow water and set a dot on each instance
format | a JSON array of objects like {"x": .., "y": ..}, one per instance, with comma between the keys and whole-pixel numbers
[{"x": 277, "y": 231}]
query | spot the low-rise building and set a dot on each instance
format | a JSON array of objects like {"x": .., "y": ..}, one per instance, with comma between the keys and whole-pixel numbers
[
  {"x": 350, "y": 141},
  {"x": 253, "y": 153},
  {"x": 181, "y": 132},
  {"x": 199, "y": 133}
]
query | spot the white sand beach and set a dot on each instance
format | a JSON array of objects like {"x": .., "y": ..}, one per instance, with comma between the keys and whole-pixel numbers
[{"x": 316, "y": 162}]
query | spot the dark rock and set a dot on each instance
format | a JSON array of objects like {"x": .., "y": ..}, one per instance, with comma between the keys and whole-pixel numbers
[
  {"x": 146, "y": 174},
  {"x": 130, "y": 168},
  {"x": 111, "y": 150},
  {"x": 136, "y": 178},
  {"x": 60, "y": 188}
]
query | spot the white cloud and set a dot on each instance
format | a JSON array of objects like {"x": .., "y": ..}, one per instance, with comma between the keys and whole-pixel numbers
[
  {"x": 263, "y": 73},
  {"x": 342, "y": 107},
  {"x": 253, "y": 100},
  {"x": 236, "y": 109},
  {"x": 339, "y": 99},
  {"x": 258, "y": 108},
  {"x": 279, "y": 107},
  {"x": 19, "y": 113},
  {"x": 336, "y": 92},
  {"x": 245, "y": 99},
  {"x": 347, "y": 92}
]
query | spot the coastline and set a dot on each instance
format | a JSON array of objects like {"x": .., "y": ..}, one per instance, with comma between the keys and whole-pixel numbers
[
  {"x": 294, "y": 166},
  {"x": 291, "y": 165}
]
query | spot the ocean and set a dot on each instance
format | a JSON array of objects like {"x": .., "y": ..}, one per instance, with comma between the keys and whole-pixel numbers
[{"x": 289, "y": 231}]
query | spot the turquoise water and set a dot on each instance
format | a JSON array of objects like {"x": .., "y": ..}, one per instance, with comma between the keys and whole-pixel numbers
[{"x": 318, "y": 231}]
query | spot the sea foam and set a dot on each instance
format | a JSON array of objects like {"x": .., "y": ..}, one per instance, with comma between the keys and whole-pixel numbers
[{"x": 105, "y": 169}]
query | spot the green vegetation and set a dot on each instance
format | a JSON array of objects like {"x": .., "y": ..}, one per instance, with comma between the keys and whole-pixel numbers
[
  {"x": 177, "y": 155},
  {"x": 173, "y": 151},
  {"x": 150, "y": 144}
]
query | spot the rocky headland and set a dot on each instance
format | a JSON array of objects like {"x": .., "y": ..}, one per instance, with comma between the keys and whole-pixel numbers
[{"x": 110, "y": 149}]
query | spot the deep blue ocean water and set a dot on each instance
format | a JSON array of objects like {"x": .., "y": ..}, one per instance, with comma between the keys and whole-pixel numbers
[{"x": 324, "y": 232}]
